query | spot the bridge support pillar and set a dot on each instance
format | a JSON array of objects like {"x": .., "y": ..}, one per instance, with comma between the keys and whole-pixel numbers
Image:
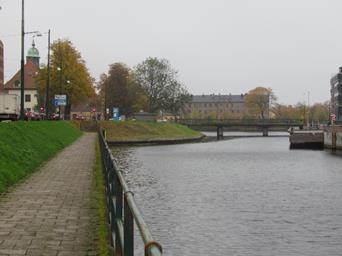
[
  {"x": 265, "y": 132},
  {"x": 219, "y": 132}
]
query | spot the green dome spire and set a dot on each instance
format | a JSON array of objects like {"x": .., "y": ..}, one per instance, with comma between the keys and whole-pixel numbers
[{"x": 33, "y": 52}]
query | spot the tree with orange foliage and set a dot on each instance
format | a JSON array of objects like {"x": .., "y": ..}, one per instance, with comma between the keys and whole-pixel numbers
[{"x": 258, "y": 102}]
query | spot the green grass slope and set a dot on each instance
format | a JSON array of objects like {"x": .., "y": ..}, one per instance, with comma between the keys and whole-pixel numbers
[
  {"x": 25, "y": 145},
  {"x": 139, "y": 130}
]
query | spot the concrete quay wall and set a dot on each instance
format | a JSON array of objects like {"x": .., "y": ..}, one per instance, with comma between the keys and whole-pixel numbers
[{"x": 333, "y": 137}]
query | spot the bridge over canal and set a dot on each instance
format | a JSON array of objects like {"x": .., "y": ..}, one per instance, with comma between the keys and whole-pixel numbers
[{"x": 263, "y": 125}]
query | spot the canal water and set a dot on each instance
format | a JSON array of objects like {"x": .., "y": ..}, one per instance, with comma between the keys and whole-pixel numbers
[{"x": 245, "y": 196}]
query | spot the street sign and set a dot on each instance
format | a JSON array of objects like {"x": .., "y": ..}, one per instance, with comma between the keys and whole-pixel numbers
[
  {"x": 116, "y": 114},
  {"x": 60, "y": 100}
]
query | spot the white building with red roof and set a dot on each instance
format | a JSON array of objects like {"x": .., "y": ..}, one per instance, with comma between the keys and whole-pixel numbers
[{"x": 31, "y": 71}]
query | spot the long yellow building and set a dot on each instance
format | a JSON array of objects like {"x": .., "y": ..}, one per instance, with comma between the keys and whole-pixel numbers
[{"x": 215, "y": 106}]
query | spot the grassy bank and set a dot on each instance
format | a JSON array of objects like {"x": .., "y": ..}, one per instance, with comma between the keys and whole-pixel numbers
[
  {"x": 98, "y": 203},
  {"x": 25, "y": 145},
  {"x": 139, "y": 131}
]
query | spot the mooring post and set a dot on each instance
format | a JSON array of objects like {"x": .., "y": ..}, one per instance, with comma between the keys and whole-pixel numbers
[
  {"x": 219, "y": 130},
  {"x": 265, "y": 132},
  {"x": 334, "y": 138}
]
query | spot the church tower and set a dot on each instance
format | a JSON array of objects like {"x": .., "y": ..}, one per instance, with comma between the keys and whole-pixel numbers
[{"x": 33, "y": 55}]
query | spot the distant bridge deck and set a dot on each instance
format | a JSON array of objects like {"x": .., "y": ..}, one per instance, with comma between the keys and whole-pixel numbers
[
  {"x": 243, "y": 122},
  {"x": 262, "y": 124}
]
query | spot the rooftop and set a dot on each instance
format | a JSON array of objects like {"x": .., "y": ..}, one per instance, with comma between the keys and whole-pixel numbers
[
  {"x": 30, "y": 74},
  {"x": 217, "y": 98}
]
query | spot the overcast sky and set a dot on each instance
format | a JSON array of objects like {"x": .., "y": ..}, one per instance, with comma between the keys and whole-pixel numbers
[{"x": 218, "y": 46}]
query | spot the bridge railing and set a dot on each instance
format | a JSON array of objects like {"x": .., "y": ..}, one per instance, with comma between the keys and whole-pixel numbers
[
  {"x": 241, "y": 121},
  {"x": 122, "y": 209}
]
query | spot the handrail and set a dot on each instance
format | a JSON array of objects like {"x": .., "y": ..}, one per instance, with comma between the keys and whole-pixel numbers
[
  {"x": 241, "y": 121},
  {"x": 251, "y": 120},
  {"x": 122, "y": 209}
]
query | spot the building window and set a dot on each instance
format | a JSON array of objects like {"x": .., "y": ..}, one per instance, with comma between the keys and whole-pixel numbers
[
  {"x": 17, "y": 83},
  {"x": 27, "y": 97}
]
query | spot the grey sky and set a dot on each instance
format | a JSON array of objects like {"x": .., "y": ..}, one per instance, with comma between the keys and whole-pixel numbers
[{"x": 218, "y": 46}]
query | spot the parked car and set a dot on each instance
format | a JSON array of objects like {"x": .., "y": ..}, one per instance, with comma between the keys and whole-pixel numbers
[
  {"x": 78, "y": 117},
  {"x": 35, "y": 116},
  {"x": 27, "y": 115},
  {"x": 54, "y": 116}
]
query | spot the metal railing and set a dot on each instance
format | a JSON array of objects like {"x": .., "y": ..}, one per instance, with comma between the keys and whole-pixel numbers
[
  {"x": 242, "y": 122},
  {"x": 122, "y": 209}
]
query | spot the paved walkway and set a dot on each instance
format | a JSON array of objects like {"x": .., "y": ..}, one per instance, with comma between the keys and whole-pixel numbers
[{"x": 50, "y": 212}]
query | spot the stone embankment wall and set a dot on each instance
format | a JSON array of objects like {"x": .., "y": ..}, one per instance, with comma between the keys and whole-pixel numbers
[{"x": 333, "y": 137}]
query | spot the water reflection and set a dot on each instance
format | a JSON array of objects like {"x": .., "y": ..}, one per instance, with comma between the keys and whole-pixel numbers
[{"x": 250, "y": 196}]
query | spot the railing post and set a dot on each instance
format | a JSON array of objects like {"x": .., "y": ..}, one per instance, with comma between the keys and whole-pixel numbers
[
  {"x": 128, "y": 230},
  {"x": 110, "y": 187},
  {"x": 118, "y": 211}
]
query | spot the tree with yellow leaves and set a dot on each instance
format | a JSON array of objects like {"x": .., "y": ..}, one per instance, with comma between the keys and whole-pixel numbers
[
  {"x": 69, "y": 75},
  {"x": 258, "y": 102}
]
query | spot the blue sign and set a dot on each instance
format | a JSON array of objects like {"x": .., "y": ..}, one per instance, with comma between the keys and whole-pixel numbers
[
  {"x": 116, "y": 114},
  {"x": 60, "y": 100}
]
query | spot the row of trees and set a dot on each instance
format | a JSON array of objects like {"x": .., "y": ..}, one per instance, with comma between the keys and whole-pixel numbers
[
  {"x": 318, "y": 112},
  {"x": 151, "y": 86},
  {"x": 261, "y": 103}
]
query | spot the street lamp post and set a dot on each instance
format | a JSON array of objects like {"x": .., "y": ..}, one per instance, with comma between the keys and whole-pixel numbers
[
  {"x": 47, "y": 114},
  {"x": 22, "y": 60},
  {"x": 308, "y": 119},
  {"x": 66, "y": 108},
  {"x": 60, "y": 87},
  {"x": 22, "y": 75}
]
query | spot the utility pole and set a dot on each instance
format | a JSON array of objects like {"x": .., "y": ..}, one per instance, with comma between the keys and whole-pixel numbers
[
  {"x": 22, "y": 67},
  {"x": 47, "y": 114},
  {"x": 60, "y": 77},
  {"x": 308, "y": 121}
]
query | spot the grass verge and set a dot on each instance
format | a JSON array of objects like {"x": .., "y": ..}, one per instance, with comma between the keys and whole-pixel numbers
[
  {"x": 24, "y": 146},
  {"x": 139, "y": 130},
  {"x": 98, "y": 202}
]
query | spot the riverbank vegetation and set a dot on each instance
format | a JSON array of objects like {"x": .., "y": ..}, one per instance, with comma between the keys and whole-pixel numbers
[
  {"x": 98, "y": 203},
  {"x": 139, "y": 131},
  {"x": 24, "y": 146}
]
